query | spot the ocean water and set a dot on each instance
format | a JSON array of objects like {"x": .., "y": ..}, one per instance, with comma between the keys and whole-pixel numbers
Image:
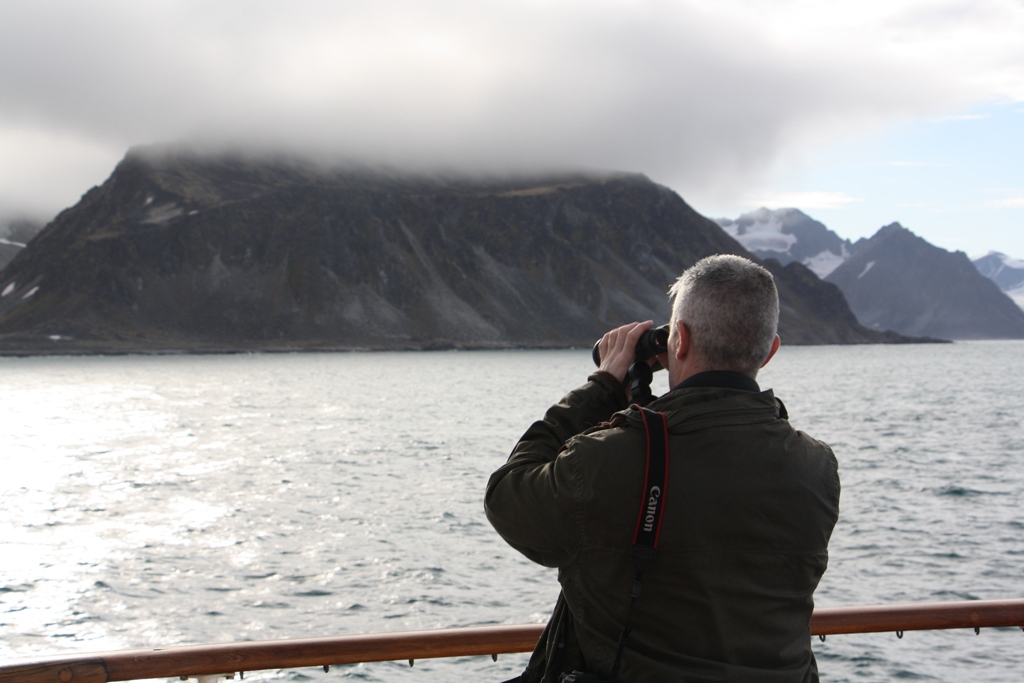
[{"x": 157, "y": 501}]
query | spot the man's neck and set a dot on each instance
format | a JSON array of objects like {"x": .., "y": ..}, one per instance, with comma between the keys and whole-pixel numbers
[{"x": 720, "y": 379}]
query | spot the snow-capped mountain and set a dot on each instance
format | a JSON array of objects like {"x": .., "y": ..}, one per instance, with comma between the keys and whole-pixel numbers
[
  {"x": 789, "y": 235},
  {"x": 1006, "y": 272}
]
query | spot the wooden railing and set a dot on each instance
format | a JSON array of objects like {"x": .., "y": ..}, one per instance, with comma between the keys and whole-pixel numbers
[{"x": 206, "y": 660}]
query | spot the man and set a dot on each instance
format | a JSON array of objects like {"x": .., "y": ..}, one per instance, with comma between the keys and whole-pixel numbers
[{"x": 747, "y": 515}]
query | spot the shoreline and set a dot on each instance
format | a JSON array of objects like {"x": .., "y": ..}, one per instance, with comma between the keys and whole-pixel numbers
[{"x": 62, "y": 348}]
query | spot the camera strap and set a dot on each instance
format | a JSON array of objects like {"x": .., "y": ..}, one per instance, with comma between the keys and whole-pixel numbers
[{"x": 648, "y": 521}]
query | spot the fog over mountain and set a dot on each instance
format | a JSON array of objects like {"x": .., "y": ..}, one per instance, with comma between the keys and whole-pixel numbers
[{"x": 720, "y": 100}]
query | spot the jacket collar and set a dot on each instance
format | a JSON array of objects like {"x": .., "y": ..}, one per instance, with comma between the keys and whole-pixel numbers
[{"x": 691, "y": 408}]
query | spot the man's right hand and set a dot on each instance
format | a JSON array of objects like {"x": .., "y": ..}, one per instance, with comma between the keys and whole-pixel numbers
[{"x": 618, "y": 348}]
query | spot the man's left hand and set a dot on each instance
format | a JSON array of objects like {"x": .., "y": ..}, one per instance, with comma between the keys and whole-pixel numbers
[{"x": 618, "y": 348}]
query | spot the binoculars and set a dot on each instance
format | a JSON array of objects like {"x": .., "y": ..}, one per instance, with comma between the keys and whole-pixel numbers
[{"x": 651, "y": 343}]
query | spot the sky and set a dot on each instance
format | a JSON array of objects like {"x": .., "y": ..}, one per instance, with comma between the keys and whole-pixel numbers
[{"x": 859, "y": 113}]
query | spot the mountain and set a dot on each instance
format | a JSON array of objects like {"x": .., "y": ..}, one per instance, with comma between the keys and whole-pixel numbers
[
  {"x": 13, "y": 237},
  {"x": 896, "y": 280},
  {"x": 1006, "y": 272},
  {"x": 789, "y": 235},
  {"x": 183, "y": 252}
]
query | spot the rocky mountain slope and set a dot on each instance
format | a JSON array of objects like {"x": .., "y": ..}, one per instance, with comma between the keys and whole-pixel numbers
[
  {"x": 789, "y": 235},
  {"x": 1006, "y": 272},
  {"x": 180, "y": 252},
  {"x": 13, "y": 237},
  {"x": 898, "y": 281}
]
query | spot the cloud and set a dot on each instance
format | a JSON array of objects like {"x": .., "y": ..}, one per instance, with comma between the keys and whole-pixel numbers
[
  {"x": 707, "y": 97},
  {"x": 42, "y": 165},
  {"x": 804, "y": 200},
  {"x": 1006, "y": 203},
  {"x": 914, "y": 164},
  {"x": 963, "y": 117}
]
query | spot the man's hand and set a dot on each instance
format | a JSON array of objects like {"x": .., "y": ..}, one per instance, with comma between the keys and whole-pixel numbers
[{"x": 618, "y": 348}]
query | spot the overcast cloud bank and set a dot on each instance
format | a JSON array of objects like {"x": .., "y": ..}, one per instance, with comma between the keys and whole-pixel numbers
[{"x": 706, "y": 97}]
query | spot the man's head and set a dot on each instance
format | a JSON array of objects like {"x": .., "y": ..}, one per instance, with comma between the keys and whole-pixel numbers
[{"x": 729, "y": 308}]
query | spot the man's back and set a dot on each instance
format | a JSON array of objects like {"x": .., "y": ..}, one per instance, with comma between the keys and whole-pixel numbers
[{"x": 749, "y": 508}]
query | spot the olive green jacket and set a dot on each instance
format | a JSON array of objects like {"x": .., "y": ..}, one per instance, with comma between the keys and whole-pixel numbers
[{"x": 748, "y": 512}]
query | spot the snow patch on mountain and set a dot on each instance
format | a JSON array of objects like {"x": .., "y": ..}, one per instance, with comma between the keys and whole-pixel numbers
[
  {"x": 824, "y": 263},
  {"x": 161, "y": 214},
  {"x": 789, "y": 235},
  {"x": 762, "y": 236}
]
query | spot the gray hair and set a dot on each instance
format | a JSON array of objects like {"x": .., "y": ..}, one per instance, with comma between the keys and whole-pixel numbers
[{"x": 731, "y": 308}]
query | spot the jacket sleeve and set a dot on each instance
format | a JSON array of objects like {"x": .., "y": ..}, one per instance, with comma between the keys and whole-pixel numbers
[{"x": 531, "y": 499}]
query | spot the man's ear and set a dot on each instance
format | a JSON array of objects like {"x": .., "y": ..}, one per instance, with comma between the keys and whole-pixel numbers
[
  {"x": 775, "y": 347},
  {"x": 683, "y": 347}
]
